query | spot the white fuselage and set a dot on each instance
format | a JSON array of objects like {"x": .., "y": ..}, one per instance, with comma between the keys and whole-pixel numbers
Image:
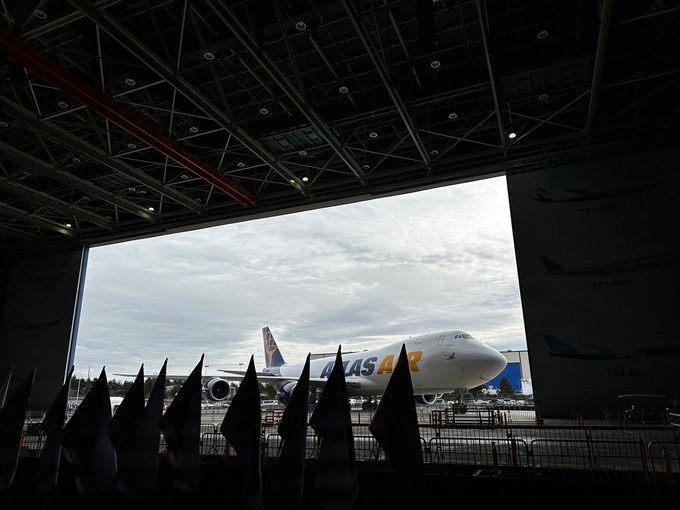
[{"x": 439, "y": 362}]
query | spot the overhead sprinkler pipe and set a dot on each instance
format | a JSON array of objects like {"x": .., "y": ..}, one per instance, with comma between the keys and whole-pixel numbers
[{"x": 48, "y": 71}]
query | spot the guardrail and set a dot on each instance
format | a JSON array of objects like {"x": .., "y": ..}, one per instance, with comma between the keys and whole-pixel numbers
[{"x": 645, "y": 454}]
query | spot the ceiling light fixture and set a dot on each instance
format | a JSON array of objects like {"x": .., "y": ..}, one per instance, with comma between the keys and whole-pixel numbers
[
  {"x": 512, "y": 135},
  {"x": 208, "y": 55},
  {"x": 301, "y": 26},
  {"x": 132, "y": 146},
  {"x": 373, "y": 134},
  {"x": 40, "y": 14},
  {"x": 543, "y": 34},
  {"x": 130, "y": 81},
  {"x": 264, "y": 111},
  {"x": 343, "y": 89},
  {"x": 543, "y": 97},
  {"x": 151, "y": 208},
  {"x": 305, "y": 178},
  {"x": 62, "y": 104},
  {"x": 68, "y": 225},
  {"x": 435, "y": 64},
  {"x": 193, "y": 129},
  {"x": 453, "y": 116}
]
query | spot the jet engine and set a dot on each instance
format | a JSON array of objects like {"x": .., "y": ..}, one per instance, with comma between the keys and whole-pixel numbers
[
  {"x": 216, "y": 389},
  {"x": 286, "y": 390},
  {"x": 427, "y": 399}
]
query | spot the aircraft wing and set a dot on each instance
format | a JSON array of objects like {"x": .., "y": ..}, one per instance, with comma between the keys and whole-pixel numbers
[{"x": 318, "y": 382}]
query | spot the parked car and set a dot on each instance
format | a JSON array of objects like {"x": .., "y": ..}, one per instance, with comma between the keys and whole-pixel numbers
[{"x": 269, "y": 404}]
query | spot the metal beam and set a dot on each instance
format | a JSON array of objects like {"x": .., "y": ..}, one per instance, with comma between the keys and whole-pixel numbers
[
  {"x": 60, "y": 206},
  {"x": 153, "y": 63},
  {"x": 76, "y": 144},
  {"x": 40, "y": 166},
  {"x": 270, "y": 67},
  {"x": 36, "y": 220},
  {"x": 394, "y": 96},
  {"x": 48, "y": 71}
]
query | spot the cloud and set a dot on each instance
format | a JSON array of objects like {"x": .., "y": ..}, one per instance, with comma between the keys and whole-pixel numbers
[{"x": 354, "y": 275}]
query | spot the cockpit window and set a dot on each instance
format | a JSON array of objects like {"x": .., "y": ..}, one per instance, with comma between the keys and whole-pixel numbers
[
  {"x": 457, "y": 336},
  {"x": 441, "y": 339}
]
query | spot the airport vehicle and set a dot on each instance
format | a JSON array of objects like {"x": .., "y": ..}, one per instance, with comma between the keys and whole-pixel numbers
[{"x": 440, "y": 362}]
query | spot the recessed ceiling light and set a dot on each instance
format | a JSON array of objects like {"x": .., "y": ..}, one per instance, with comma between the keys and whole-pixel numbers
[
  {"x": 543, "y": 97},
  {"x": 343, "y": 89},
  {"x": 40, "y": 14},
  {"x": 543, "y": 34},
  {"x": 305, "y": 178},
  {"x": 453, "y": 116},
  {"x": 68, "y": 225},
  {"x": 434, "y": 152},
  {"x": 301, "y": 26},
  {"x": 62, "y": 104},
  {"x": 184, "y": 177},
  {"x": 240, "y": 164},
  {"x": 76, "y": 160},
  {"x": 366, "y": 166},
  {"x": 512, "y": 134},
  {"x": 3, "y": 123},
  {"x": 208, "y": 55},
  {"x": 302, "y": 153},
  {"x": 130, "y": 81},
  {"x": 193, "y": 129},
  {"x": 132, "y": 146},
  {"x": 373, "y": 134},
  {"x": 132, "y": 190},
  {"x": 264, "y": 111},
  {"x": 435, "y": 64},
  {"x": 151, "y": 208}
]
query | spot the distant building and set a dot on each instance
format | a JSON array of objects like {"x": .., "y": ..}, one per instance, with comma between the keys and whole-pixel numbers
[{"x": 517, "y": 372}]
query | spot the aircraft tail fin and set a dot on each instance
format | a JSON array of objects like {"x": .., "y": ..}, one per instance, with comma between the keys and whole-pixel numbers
[
  {"x": 550, "y": 265},
  {"x": 544, "y": 195},
  {"x": 272, "y": 355},
  {"x": 558, "y": 347}
]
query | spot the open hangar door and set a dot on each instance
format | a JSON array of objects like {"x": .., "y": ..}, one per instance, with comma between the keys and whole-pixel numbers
[{"x": 598, "y": 258}]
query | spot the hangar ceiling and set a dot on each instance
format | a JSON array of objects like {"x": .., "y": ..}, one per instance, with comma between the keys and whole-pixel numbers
[{"x": 123, "y": 119}]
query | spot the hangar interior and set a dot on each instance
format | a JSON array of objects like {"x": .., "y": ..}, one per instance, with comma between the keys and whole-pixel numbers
[{"x": 124, "y": 120}]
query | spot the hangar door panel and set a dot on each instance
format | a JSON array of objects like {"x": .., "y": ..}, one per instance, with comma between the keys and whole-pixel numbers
[
  {"x": 598, "y": 258},
  {"x": 38, "y": 322}
]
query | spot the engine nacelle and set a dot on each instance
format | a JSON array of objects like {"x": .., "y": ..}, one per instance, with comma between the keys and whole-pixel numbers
[
  {"x": 216, "y": 389},
  {"x": 285, "y": 391},
  {"x": 427, "y": 399}
]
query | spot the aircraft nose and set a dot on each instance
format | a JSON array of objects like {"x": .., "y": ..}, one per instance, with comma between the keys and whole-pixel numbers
[{"x": 494, "y": 363}]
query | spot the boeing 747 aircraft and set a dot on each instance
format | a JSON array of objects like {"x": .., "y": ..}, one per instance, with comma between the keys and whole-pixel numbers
[
  {"x": 560, "y": 349},
  {"x": 440, "y": 363},
  {"x": 624, "y": 266}
]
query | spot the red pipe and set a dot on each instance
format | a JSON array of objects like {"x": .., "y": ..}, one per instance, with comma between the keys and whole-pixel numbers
[{"x": 46, "y": 70}]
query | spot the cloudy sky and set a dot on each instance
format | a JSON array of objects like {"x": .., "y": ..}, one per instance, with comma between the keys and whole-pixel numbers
[{"x": 356, "y": 275}]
